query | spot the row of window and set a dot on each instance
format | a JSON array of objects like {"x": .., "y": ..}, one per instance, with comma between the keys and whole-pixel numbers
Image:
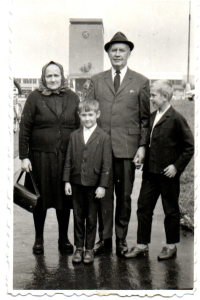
[
  {"x": 35, "y": 80},
  {"x": 27, "y": 80},
  {"x": 173, "y": 81}
]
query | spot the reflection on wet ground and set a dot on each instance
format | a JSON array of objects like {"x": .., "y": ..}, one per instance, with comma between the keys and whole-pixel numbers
[{"x": 55, "y": 271}]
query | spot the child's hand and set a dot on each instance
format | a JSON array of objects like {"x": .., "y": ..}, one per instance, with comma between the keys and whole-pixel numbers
[
  {"x": 139, "y": 158},
  {"x": 100, "y": 192},
  {"x": 68, "y": 189},
  {"x": 170, "y": 171}
]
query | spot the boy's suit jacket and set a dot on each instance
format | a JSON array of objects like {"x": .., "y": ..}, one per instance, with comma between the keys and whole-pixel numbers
[
  {"x": 88, "y": 164},
  {"x": 171, "y": 143},
  {"x": 125, "y": 114}
]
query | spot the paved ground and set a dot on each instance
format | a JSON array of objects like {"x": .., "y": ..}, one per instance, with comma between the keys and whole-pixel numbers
[{"x": 55, "y": 271}]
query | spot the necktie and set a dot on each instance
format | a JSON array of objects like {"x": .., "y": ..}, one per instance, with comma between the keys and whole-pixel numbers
[{"x": 117, "y": 80}]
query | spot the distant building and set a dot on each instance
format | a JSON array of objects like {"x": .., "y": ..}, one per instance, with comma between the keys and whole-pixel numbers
[
  {"x": 28, "y": 84},
  {"x": 86, "y": 58},
  {"x": 78, "y": 83},
  {"x": 176, "y": 79},
  {"x": 86, "y": 51}
]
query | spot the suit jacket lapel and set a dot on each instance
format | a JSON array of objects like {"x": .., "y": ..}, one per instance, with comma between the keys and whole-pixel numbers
[
  {"x": 108, "y": 80},
  {"x": 165, "y": 116},
  {"x": 125, "y": 81},
  {"x": 93, "y": 135}
]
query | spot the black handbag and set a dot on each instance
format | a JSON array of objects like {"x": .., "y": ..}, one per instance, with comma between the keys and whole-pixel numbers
[{"x": 23, "y": 196}]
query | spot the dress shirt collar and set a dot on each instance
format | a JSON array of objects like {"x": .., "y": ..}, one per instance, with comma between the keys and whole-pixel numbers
[
  {"x": 91, "y": 129},
  {"x": 122, "y": 73}
]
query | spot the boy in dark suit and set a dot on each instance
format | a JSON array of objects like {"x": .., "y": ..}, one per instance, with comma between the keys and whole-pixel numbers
[
  {"x": 86, "y": 173},
  {"x": 170, "y": 148}
]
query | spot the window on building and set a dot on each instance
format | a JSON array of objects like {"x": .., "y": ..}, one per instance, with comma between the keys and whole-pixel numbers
[{"x": 18, "y": 80}]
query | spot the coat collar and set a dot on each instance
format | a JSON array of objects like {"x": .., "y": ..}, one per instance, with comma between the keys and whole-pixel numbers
[
  {"x": 91, "y": 138},
  {"x": 125, "y": 82},
  {"x": 164, "y": 116}
]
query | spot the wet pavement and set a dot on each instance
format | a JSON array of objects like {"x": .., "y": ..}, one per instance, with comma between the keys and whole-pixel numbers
[{"x": 55, "y": 270}]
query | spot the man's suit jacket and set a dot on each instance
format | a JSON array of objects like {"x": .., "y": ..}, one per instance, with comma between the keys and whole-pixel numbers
[
  {"x": 171, "y": 143},
  {"x": 125, "y": 114},
  {"x": 88, "y": 164}
]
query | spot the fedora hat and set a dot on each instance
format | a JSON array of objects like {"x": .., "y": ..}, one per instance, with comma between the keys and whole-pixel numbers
[{"x": 119, "y": 37}]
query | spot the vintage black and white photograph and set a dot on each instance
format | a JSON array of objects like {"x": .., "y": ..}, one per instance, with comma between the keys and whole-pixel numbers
[{"x": 104, "y": 97}]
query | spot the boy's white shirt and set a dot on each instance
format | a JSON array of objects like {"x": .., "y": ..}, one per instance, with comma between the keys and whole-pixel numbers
[
  {"x": 157, "y": 118},
  {"x": 87, "y": 132}
]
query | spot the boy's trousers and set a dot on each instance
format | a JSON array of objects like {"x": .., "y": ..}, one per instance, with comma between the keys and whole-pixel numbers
[
  {"x": 154, "y": 185},
  {"x": 85, "y": 207}
]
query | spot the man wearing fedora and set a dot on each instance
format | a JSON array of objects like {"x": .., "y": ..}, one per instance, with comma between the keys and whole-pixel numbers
[{"x": 123, "y": 96}]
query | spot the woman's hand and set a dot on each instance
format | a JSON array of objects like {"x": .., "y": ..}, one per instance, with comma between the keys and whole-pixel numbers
[
  {"x": 26, "y": 165},
  {"x": 100, "y": 192},
  {"x": 68, "y": 189}
]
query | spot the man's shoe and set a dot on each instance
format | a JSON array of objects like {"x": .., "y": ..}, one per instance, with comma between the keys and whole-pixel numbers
[
  {"x": 38, "y": 247},
  {"x": 108, "y": 243},
  {"x": 88, "y": 256},
  {"x": 135, "y": 251},
  {"x": 78, "y": 255},
  {"x": 99, "y": 247},
  {"x": 121, "y": 247},
  {"x": 65, "y": 246},
  {"x": 167, "y": 253}
]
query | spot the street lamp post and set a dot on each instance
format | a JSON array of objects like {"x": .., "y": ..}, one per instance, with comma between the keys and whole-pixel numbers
[{"x": 188, "y": 87}]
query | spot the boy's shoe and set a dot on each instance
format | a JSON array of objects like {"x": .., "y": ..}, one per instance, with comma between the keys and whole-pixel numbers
[
  {"x": 88, "y": 256},
  {"x": 78, "y": 255},
  {"x": 167, "y": 253},
  {"x": 135, "y": 251}
]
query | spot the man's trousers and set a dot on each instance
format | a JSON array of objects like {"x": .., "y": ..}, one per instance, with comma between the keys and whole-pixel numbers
[{"x": 122, "y": 182}]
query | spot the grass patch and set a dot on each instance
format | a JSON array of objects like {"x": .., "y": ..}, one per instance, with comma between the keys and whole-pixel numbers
[{"x": 186, "y": 200}]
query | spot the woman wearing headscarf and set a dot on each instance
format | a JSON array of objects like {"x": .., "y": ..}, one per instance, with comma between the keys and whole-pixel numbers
[{"x": 48, "y": 118}]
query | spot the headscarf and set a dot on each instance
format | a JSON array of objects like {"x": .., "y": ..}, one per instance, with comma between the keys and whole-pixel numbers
[{"x": 43, "y": 86}]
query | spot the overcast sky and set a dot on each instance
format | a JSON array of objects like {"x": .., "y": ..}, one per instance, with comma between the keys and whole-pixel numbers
[{"x": 159, "y": 30}]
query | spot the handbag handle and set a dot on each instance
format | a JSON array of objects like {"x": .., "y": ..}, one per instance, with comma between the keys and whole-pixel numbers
[{"x": 33, "y": 182}]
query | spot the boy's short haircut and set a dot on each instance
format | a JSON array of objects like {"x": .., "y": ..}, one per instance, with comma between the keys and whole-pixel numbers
[
  {"x": 88, "y": 105},
  {"x": 164, "y": 87}
]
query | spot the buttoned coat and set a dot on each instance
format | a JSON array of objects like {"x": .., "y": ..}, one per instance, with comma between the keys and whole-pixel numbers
[
  {"x": 125, "y": 114},
  {"x": 41, "y": 129},
  {"x": 171, "y": 142},
  {"x": 88, "y": 164}
]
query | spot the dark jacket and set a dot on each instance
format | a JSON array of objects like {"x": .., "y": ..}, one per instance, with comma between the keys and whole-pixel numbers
[
  {"x": 125, "y": 114},
  {"x": 41, "y": 129},
  {"x": 88, "y": 164},
  {"x": 171, "y": 143}
]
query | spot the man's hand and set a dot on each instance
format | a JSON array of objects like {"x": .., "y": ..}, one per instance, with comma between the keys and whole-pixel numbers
[
  {"x": 100, "y": 192},
  {"x": 139, "y": 157},
  {"x": 68, "y": 189},
  {"x": 26, "y": 165},
  {"x": 170, "y": 171}
]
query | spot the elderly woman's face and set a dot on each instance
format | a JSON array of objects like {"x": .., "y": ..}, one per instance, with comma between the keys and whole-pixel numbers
[{"x": 53, "y": 77}]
